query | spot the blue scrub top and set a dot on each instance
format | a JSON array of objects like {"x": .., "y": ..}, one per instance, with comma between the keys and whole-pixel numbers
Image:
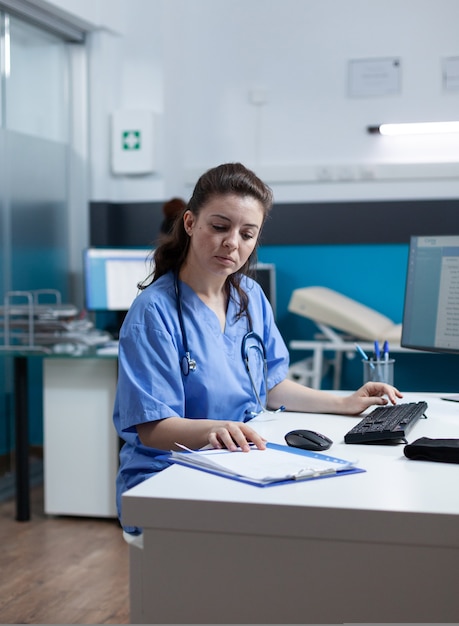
[{"x": 151, "y": 385}]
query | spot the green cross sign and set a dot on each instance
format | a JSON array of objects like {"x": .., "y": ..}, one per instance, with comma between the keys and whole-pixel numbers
[{"x": 131, "y": 140}]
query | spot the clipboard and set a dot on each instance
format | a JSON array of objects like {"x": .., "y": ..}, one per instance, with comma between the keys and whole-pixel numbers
[{"x": 283, "y": 465}]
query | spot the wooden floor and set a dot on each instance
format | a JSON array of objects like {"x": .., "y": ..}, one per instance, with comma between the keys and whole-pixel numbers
[{"x": 61, "y": 570}]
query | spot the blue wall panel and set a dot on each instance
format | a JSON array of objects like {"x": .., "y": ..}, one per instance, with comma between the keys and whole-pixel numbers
[{"x": 371, "y": 274}]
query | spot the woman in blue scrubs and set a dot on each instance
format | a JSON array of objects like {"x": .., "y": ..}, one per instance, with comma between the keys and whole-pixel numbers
[{"x": 199, "y": 351}]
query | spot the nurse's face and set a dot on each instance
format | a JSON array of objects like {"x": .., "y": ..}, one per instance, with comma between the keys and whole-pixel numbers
[{"x": 224, "y": 233}]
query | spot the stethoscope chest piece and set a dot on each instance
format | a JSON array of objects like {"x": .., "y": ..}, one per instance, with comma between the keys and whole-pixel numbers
[{"x": 187, "y": 364}]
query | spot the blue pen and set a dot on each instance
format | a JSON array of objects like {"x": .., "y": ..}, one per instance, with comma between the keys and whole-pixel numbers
[
  {"x": 378, "y": 359},
  {"x": 364, "y": 355},
  {"x": 386, "y": 350}
]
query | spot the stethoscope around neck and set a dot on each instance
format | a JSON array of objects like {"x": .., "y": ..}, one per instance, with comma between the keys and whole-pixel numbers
[{"x": 188, "y": 364}]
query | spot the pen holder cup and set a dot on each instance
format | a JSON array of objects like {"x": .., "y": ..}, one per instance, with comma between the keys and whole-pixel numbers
[{"x": 378, "y": 371}]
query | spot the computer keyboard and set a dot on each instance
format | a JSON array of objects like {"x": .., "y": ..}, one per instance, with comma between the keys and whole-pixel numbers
[{"x": 387, "y": 424}]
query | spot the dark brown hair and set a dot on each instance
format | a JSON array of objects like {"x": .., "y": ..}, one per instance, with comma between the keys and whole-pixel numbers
[
  {"x": 229, "y": 178},
  {"x": 172, "y": 210}
]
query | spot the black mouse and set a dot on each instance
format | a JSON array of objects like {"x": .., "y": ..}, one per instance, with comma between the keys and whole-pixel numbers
[{"x": 308, "y": 440}]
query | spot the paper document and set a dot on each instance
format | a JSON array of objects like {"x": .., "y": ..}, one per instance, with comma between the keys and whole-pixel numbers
[{"x": 263, "y": 467}]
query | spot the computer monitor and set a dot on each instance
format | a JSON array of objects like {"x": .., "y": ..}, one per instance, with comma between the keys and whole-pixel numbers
[
  {"x": 111, "y": 276},
  {"x": 431, "y": 308},
  {"x": 265, "y": 274}
]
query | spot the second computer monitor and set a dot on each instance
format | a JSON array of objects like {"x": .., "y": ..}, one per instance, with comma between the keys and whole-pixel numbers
[
  {"x": 111, "y": 276},
  {"x": 431, "y": 309}
]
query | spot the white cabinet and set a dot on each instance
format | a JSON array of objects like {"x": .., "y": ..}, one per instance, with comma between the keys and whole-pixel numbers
[{"x": 80, "y": 441}]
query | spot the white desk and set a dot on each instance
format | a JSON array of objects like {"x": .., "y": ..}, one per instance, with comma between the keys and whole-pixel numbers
[
  {"x": 78, "y": 397},
  {"x": 380, "y": 546}
]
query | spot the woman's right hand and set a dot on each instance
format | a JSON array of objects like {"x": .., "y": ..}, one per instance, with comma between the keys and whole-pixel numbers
[
  {"x": 234, "y": 435},
  {"x": 165, "y": 434}
]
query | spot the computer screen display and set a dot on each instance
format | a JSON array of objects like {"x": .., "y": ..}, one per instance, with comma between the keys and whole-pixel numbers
[
  {"x": 111, "y": 276},
  {"x": 265, "y": 274},
  {"x": 431, "y": 309}
]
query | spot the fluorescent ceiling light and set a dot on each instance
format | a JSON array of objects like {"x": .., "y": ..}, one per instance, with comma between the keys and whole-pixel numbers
[{"x": 415, "y": 128}]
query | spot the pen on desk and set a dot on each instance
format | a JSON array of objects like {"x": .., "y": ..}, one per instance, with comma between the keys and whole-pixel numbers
[
  {"x": 365, "y": 356},
  {"x": 377, "y": 352}
]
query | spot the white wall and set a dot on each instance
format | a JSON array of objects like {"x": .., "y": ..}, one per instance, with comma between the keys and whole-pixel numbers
[{"x": 196, "y": 63}]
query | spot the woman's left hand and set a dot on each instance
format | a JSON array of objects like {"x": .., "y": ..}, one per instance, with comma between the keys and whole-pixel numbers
[{"x": 368, "y": 395}]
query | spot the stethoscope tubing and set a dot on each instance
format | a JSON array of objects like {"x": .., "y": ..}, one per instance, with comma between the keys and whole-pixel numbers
[{"x": 188, "y": 364}]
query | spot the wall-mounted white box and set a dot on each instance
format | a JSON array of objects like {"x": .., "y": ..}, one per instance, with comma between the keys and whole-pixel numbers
[{"x": 132, "y": 145}]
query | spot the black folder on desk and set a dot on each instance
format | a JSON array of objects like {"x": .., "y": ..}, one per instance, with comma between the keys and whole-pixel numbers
[{"x": 276, "y": 465}]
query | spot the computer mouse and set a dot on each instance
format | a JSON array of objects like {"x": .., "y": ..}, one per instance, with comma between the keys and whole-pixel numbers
[{"x": 308, "y": 440}]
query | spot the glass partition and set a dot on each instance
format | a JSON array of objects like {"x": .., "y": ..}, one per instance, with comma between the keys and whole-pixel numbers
[
  {"x": 36, "y": 94},
  {"x": 34, "y": 161}
]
